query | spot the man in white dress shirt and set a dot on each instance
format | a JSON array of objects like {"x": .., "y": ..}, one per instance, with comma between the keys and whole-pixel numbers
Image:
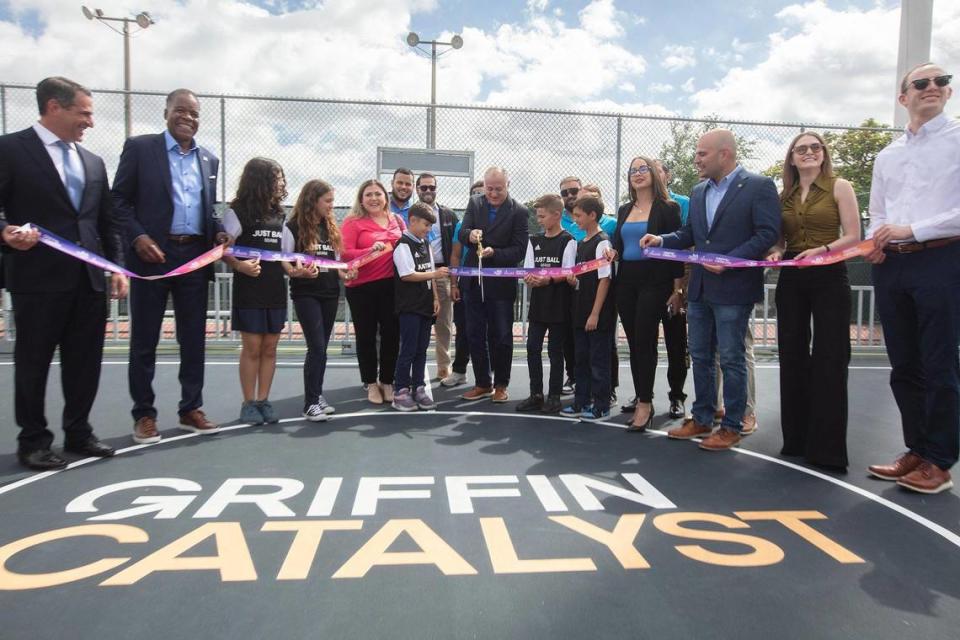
[{"x": 915, "y": 225}]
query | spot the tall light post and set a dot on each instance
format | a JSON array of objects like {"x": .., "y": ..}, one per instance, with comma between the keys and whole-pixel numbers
[
  {"x": 414, "y": 41},
  {"x": 143, "y": 21}
]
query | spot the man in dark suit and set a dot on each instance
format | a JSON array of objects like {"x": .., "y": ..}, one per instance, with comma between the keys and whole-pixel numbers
[
  {"x": 166, "y": 186},
  {"x": 737, "y": 213},
  {"x": 48, "y": 179},
  {"x": 498, "y": 223}
]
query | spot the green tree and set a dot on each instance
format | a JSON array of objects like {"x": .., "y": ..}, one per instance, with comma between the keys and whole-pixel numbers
[
  {"x": 678, "y": 152},
  {"x": 853, "y": 153}
]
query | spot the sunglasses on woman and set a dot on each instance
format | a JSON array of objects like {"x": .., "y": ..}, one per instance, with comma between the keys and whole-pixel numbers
[
  {"x": 802, "y": 149},
  {"x": 922, "y": 83}
]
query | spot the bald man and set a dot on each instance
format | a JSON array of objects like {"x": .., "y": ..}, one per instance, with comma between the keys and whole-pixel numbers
[{"x": 736, "y": 213}]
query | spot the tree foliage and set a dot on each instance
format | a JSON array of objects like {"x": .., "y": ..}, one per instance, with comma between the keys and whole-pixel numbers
[{"x": 853, "y": 153}]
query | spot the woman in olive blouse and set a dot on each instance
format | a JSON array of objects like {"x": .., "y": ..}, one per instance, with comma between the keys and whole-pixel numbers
[{"x": 819, "y": 216}]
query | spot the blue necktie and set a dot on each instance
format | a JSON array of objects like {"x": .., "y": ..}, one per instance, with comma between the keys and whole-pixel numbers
[{"x": 73, "y": 176}]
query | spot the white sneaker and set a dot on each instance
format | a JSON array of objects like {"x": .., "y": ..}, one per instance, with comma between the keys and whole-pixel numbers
[
  {"x": 454, "y": 379},
  {"x": 315, "y": 413},
  {"x": 324, "y": 406}
]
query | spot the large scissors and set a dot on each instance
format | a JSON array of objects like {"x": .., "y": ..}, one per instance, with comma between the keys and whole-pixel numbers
[{"x": 480, "y": 262}]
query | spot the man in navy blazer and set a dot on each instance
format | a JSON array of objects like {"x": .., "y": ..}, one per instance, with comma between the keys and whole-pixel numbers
[
  {"x": 58, "y": 301},
  {"x": 499, "y": 224},
  {"x": 736, "y": 213},
  {"x": 166, "y": 186}
]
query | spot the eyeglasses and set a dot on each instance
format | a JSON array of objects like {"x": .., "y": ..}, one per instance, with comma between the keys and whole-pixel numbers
[
  {"x": 572, "y": 191},
  {"x": 802, "y": 149},
  {"x": 427, "y": 187},
  {"x": 922, "y": 83},
  {"x": 641, "y": 170}
]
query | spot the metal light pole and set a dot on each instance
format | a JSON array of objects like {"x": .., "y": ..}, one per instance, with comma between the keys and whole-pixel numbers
[
  {"x": 143, "y": 21},
  {"x": 414, "y": 41},
  {"x": 916, "y": 25}
]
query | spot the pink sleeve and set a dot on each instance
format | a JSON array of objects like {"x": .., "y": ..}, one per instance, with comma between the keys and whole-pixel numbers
[{"x": 350, "y": 232}]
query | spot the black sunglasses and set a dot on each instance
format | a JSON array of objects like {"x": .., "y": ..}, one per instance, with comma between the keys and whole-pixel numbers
[
  {"x": 922, "y": 83},
  {"x": 572, "y": 191},
  {"x": 427, "y": 187}
]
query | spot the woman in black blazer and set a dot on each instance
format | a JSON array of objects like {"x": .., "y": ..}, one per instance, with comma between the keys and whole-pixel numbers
[{"x": 644, "y": 285}]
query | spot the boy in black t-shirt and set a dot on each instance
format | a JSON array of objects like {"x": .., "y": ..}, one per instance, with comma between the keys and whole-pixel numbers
[
  {"x": 593, "y": 317},
  {"x": 416, "y": 303},
  {"x": 549, "y": 303}
]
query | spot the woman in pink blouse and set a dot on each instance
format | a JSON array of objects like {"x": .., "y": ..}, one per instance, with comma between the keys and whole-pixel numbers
[{"x": 369, "y": 225}]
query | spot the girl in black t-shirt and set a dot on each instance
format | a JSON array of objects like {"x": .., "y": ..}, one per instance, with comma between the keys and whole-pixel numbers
[
  {"x": 255, "y": 220},
  {"x": 312, "y": 229}
]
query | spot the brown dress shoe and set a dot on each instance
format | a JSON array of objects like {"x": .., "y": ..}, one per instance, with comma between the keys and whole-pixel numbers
[
  {"x": 196, "y": 421},
  {"x": 900, "y": 467},
  {"x": 478, "y": 393},
  {"x": 145, "y": 431},
  {"x": 926, "y": 478},
  {"x": 500, "y": 395},
  {"x": 689, "y": 429},
  {"x": 721, "y": 440},
  {"x": 749, "y": 425}
]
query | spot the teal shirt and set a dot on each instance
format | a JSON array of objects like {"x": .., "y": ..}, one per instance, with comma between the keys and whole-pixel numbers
[{"x": 608, "y": 225}]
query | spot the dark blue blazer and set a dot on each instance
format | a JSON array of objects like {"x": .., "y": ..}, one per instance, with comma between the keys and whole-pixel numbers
[
  {"x": 31, "y": 191},
  {"x": 143, "y": 193},
  {"x": 507, "y": 235},
  {"x": 746, "y": 225}
]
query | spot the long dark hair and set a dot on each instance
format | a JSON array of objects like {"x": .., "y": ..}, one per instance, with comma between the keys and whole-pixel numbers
[
  {"x": 357, "y": 211},
  {"x": 656, "y": 182},
  {"x": 257, "y": 199},
  {"x": 308, "y": 221}
]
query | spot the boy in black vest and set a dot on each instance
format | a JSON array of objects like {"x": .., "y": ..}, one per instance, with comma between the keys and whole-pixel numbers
[
  {"x": 549, "y": 303},
  {"x": 416, "y": 303},
  {"x": 593, "y": 317}
]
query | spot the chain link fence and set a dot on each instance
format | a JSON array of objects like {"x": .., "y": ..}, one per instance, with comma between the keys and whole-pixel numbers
[{"x": 336, "y": 140}]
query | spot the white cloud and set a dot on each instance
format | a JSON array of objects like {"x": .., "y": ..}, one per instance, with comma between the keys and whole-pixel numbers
[
  {"x": 676, "y": 57},
  {"x": 537, "y": 5},
  {"x": 688, "y": 86},
  {"x": 601, "y": 19},
  {"x": 627, "y": 87},
  {"x": 826, "y": 65},
  {"x": 660, "y": 87}
]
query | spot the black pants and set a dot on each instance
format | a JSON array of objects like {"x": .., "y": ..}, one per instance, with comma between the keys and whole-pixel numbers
[
  {"x": 148, "y": 303},
  {"x": 535, "y": 333},
  {"x": 678, "y": 356},
  {"x": 462, "y": 345},
  {"x": 918, "y": 296},
  {"x": 490, "y": 330},
  {"x": 813, "y": 373},
  {"x": 371, "y": 307},
  {"x": 73, "y": 321},
  {"x": 640, "y": 304},
  {"x": 412, "y": 359},
  {"x": 316, "y": 316},
  {"x": 593, "y": 367}
]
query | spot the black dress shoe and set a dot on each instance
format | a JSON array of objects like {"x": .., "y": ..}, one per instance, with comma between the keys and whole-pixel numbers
[
  {"x": 42, "y": 460},
  {"x": 677, "y": 410},
  {"x": 90, "y": 447},
  {"x": 641, "y": 428}
]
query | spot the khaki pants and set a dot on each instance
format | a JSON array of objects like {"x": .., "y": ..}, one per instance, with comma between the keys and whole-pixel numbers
[{"x": 444, "y": 324}]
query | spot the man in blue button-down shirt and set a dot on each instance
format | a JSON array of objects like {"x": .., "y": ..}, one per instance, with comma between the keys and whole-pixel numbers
[{"x": 166, "y": 186}]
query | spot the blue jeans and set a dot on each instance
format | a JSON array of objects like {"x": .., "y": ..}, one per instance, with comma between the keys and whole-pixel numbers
[
  {"x": 593, "y": 367},
  {"x": 718, "y": 329}
]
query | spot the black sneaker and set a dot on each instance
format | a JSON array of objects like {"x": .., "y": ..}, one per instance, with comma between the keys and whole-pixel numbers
[
  {"x": 629, "y": 406},
  {"x": 533, "y": 403},
  {"x": 677, "y": 410},
  {"x": 551, "y": 405},
  {"x": 567, "y": 388}
]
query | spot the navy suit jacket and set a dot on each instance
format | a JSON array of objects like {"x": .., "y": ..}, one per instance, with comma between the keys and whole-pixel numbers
[
  {"x": 143, "y": 192},
  {"x": 507, "y": 235},
  {"x": 746, "y": 225},
  {"x": 31, "y": 191}
]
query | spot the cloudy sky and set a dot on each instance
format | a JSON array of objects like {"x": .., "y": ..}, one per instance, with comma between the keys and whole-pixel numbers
[{"x": 822, "y": 61}]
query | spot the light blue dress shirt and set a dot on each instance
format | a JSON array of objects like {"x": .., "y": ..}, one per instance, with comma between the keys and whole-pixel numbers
[
  {"x": 187, "y": 183},
  {"x": 716, "y": 191}
]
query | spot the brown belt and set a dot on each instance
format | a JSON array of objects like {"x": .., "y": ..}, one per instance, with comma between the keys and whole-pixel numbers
[
  {"x": 913, "y": 247},
  {"x": 184, "y": 239}
]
